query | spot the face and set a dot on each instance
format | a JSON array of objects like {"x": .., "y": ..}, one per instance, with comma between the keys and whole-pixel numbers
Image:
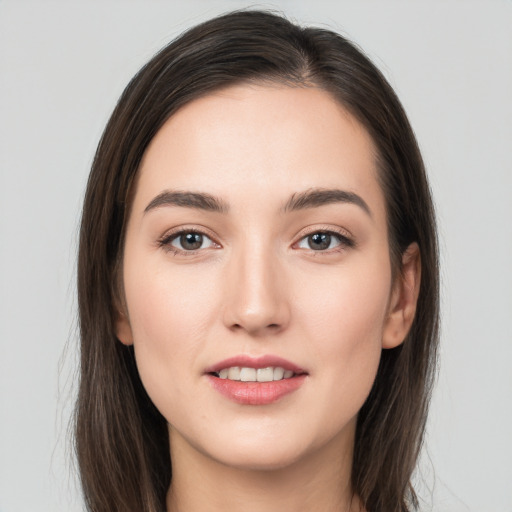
[{"x": 257, "y": 250}]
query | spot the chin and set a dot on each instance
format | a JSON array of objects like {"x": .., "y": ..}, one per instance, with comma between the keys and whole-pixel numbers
[
  {"x": 254, "y": 450},
  {"x": 268, "y": 450},
  {"x": 260, "y": 459}
]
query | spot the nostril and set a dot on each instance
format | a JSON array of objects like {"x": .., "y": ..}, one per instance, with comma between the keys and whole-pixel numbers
[{"x": 239, "y": 327}]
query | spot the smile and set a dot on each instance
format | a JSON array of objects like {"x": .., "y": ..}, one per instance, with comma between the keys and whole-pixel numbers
[{"x": 262, "y": 380}]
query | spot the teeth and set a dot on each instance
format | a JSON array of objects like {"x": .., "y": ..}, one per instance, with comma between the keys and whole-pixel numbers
[
  {"x": 278, "y": 373},
  {"x": 265, "y": 374},
  {"x": 234, "y": 373},
  {"x": 245, "y": 374}
]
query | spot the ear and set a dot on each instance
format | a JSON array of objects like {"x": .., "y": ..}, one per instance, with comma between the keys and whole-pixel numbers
[
  {"x": 404, "y": 297},
  {"x": 123, "y": 328}
]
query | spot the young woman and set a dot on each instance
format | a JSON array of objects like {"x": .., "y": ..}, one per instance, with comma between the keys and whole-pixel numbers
[{"x": 258, "y": 281}]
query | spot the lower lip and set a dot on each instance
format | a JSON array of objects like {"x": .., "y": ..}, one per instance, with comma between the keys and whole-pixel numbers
[{"x": 256, "y": 393}]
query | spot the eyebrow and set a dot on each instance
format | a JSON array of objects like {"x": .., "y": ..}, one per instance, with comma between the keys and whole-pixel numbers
[
  {"x": 316, "y": 197},
  {"x": 312, "y": 198},
  {"x": 198, "y": 200}
]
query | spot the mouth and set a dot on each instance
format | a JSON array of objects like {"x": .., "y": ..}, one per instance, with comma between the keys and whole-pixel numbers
[{"x": 255, "y": 381}]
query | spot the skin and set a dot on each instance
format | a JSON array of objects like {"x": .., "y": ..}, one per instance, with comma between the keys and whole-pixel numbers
[{"x": 256, "y": 287}]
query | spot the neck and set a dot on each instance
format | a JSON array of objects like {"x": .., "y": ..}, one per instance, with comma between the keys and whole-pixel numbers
[{"x": 319, "y": 481}]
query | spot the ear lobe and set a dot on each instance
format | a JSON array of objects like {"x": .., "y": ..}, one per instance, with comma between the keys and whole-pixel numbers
[
  {"x": 123, "y": 329},
  {"x": 404, "y": 298}
]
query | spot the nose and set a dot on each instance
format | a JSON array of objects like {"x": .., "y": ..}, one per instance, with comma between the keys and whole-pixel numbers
[{"x": 255, "y": 294}]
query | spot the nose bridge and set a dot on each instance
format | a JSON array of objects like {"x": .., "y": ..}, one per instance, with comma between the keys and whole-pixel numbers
[{"x": 256, "y": 300}]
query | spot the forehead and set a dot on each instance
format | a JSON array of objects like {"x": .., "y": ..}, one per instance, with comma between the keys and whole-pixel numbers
[{"x": 270, "y": 140}]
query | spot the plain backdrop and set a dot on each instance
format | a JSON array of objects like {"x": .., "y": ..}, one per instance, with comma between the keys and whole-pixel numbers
[{"x": 62, "y": 67}]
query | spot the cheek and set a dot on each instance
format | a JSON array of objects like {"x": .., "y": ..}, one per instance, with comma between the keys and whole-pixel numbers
[
  {"x": 168, "y": 301},
  {"x": 350, "y": 305},
  {"x": 169, "y": 315},
  {"x": 344, "y": 324}
]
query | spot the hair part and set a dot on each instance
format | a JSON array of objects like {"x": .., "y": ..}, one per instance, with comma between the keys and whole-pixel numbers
[{"x": 121, "y": 439}]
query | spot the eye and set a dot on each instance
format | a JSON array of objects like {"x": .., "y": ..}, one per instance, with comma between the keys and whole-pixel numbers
[
  {"x": 187, "y": 241},
  {"x": 324, "y": 240}
]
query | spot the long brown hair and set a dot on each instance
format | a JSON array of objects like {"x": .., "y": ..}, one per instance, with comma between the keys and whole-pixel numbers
[{"x": 121, "y": 439}]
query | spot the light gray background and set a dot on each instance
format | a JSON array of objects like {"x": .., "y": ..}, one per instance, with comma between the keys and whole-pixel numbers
[{"x": 63, "y": 66}]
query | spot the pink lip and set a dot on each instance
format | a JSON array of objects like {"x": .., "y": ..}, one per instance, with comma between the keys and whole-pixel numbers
[
  {"x": 255, "y": 393},
  {"x": 254, "y": 362}
]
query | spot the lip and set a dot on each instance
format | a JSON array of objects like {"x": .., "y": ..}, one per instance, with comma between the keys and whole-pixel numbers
[
  {"x": 255, "y": 393},
  {"x": 254, "y": 362}
]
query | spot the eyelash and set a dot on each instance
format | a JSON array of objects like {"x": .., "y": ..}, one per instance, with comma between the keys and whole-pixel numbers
[
  {"x": 344, "y": 241},
  {"x": 167, "y": 239},
  {"x": 343, "y": 238}
]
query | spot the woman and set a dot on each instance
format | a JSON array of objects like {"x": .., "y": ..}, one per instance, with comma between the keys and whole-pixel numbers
[{"x": 258, "y": 281}]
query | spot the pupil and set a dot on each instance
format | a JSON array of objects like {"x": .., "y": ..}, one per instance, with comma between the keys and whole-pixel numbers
[
  {"x": 319, "y": 241},
  {"x": 191, "y": 241}
]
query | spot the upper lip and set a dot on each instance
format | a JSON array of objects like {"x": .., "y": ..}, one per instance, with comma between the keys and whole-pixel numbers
[{"x": 246, "y": 361}]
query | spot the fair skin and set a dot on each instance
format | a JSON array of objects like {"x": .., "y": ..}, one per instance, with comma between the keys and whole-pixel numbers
[{"x": 262, "y": 275}]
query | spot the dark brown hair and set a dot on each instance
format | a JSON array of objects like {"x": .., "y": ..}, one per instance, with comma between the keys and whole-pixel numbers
[{"x": 121, "y": 439}]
